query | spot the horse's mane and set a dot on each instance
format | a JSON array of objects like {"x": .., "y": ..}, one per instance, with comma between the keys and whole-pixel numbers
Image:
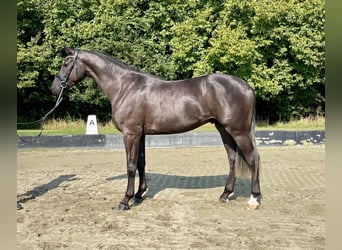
[{"x": 116, "y": 61}]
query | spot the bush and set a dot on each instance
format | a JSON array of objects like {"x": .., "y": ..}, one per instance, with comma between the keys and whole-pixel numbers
[{"x": 277, "y": 46}]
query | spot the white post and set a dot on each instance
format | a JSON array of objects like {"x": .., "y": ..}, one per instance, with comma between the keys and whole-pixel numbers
[{"x": 92, "y": 125}]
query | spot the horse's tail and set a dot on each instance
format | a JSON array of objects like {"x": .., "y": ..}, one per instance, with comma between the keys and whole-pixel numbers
[{"x": 242, "y": 169}]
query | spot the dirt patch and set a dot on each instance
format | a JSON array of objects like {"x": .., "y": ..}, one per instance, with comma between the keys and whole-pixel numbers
[{"x": 70, "y": 199}]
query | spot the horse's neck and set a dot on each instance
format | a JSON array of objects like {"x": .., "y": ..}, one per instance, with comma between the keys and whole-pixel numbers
[{"x": 106, "y": 73}]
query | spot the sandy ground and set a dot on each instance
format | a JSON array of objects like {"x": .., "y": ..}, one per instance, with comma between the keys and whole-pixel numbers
[{"x": 70, "y": 199}]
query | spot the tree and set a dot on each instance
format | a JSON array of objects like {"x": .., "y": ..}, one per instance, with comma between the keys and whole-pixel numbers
[{"x": 277, "y": 46}]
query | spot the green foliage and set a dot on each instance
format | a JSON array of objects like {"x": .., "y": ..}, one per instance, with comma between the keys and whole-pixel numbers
[{"x": 277, "y": 46}]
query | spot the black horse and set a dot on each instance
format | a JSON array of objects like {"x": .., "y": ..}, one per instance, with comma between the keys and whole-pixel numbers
[{"x": 143, "y": 104}]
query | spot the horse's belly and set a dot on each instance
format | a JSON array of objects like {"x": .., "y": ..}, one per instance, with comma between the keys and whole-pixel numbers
[{"x": 173, "y": 124}]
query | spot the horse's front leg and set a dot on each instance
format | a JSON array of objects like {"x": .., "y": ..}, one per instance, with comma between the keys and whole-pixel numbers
[
  {"x": 141, "y": 169},
  {"x": 131, "y": 142}
]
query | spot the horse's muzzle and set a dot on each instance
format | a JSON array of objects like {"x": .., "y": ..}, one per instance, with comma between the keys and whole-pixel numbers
[{"x": 56, "y": 88}]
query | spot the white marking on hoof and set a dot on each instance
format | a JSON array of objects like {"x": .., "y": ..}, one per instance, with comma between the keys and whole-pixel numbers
[
  {"x": 227, "y": 200},
  {"x": 253, "y": 203},
  {"x": 229, "y": 196}
]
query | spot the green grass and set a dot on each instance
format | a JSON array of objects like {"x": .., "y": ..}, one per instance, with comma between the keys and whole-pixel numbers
[
  {"x": 307, "y": 123},
  {"x": 78, "y": 127}
]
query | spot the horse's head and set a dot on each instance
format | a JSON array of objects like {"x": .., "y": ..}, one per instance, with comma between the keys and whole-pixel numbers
[{"x": 71, "y": 72}]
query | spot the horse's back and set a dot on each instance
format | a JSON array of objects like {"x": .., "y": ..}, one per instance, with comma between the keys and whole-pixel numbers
[{"x": 229, "y": 82}]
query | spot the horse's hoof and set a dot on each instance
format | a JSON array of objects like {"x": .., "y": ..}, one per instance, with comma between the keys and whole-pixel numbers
[
  {"x": 224, "y": 200},
  {"x": 138, "y": 199},
  {"x": 253, "y": 203},
  {"x": 123, "y": 207},
  {"x": 253, "y": 206}
]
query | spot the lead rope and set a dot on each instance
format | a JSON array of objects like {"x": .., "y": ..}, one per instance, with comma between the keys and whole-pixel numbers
[{"x": 42, "y": 120}]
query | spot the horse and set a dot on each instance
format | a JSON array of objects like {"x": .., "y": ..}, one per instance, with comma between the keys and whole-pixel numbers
[{"x": 143, "y": 104}]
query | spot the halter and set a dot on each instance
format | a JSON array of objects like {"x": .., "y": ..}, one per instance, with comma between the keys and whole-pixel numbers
[{"x": 65, "y": 80}]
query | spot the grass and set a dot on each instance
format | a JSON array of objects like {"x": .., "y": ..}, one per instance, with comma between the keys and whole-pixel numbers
[
  {"x": 307, "y": 123},
  {"x": 78, "y": 127}
]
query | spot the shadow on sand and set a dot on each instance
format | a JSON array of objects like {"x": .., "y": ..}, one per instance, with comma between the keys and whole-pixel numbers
[
  {"x": 155, "y": 182},
  {"x": 159, "y": 182},
  {"x": 41, "y": 190}
]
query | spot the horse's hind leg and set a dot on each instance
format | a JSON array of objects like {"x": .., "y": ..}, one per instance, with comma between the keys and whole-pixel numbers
[
  {"x": 230, "y": 147},
  {"x": 141, "y": 169},
  {"x": 254, "y": 201},
  {"x": 252, "y": 158}
]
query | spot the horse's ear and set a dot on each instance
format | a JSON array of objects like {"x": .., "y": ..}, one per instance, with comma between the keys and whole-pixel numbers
[{"x": 69, "y": 50}]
